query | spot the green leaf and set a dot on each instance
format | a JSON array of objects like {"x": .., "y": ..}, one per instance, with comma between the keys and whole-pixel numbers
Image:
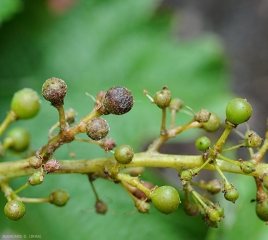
[{"x": 8, "y": 8}]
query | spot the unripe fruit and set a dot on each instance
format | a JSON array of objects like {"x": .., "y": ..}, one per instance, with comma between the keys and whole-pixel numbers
[
  {"x": 97, "y": 128},
  {"x": 17, "y": 139},
  {"x": 202, "y": 116},
  {"x": 124, "y": 154},
  {"x": 214, "y": 215},
  {"x": 175, "y": 104},
  {"x": 59, "y": 198},
  {"x": 248, "y": 167},
  {"x": 118, "y": 100},
  {"x": 100, "y": 207},
  {"x": 36, "y": 179},
  {"x": 213, "y": 123},
  {"x": 262, "y": 209},
  {"x": 25, "y": 103},
  {"x": 54, "y": 91},
  {"x": 14, "y": 209},
  {"x": 162, "y": 98},
  {"x": 166, "y": 199},
  {"x": 238, "y": 111},
  {"x": 187, "y": 175},
  {"x": 202, "y": 143},
  {"x": 230, "y": 193}
]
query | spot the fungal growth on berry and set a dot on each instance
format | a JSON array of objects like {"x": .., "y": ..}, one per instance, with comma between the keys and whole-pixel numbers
[
  {"x": 54, "y": 91},
  {"x": 97, "y": 128},
  {"x": 124, "y": 154},
  {"x": 118, "y": 100},
  {"x": 25, "y": 103}
]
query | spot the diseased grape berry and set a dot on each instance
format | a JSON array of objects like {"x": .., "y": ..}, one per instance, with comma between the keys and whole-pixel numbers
[
  {"x": 124, "y": 154},
  {"x": 59, "y": 198},
  {"x": 51, "y": 166},
  {"x": 118, "y": 100},
  {"x": 202, "y": 116},
  {"x": 162, "y": 98},
  {"x": 213, "y": 123},
  {"x": 202, "y": 143},
  {"x": 108, "y": 144},
  {"x": 253, "y": 140},
  {"x": 97, "y": 128},
  {"x": 54, "y": 91},
  {"x": 25, "y": 103},
  {"x": 14, "y": 209},
  {"x": 238, "y": 111},
  {"x": 36, "y": 161},
  {"x": 17, "y": 139},
  {"x": 100, "y": 207},
  {"x": 166, "y": 199}
]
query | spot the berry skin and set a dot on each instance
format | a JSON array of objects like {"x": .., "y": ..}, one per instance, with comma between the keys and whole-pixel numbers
[
  {"x": 166, "y": 199},
  {"x": 17, "y": 139},
  {"x": 25, "y": 103},
  {"x": 202, "y": 143},
  {"x": 97, "y": 128},
  {"x": 118, "y": 100},
  {"x": 162, "y": 98},
  {"x": 54, "y": 91},
  {"x": 213, "y": 123},
  {"x": 238, "y": 111},
  {"x": 14, "y": 209},
  {"x": 124, "y": 154},
  {"x": 59, "y": 198},
  {"x": 262, "y": 209}
]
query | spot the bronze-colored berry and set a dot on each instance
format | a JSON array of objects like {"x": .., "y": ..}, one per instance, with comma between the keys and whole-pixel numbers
[
  {"x": 54, "y": 91},
  {"x": 97, "y": 128},
  {"x": 100, "y": 207},
  {"x": 118, "y": 100}
]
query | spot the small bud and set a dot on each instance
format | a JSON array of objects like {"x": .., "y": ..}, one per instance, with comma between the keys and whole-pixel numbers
[
  {"x": 51, "y": 166},
  {"x": 97, "y": 128},
  {"x": 163, "y": 98},
  {"x": 262, "y": 209},
  {"x": 230, "y": 193},
  {"x": 248, "y": 167},
  {"x": 118, "y": 100},
  {"x": 36, "y": 179},
  {"x": 187, "y": 175},
  {"x": 54, "y": 91},
  {"x": 70, "y": 115},
  {"x": 214, "y": 215},
  {"x": 140, "y": 194},
  {"x": 202, "y": 116},
  {"x": 36, "y": 161},
  {"x": 253, "y": 140}
]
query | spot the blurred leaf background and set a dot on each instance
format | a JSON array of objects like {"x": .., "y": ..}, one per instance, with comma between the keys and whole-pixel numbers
[{"x": 94, "y": 45}]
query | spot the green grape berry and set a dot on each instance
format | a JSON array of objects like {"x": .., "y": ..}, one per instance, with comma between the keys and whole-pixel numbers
[
  {"x": 213, "y": 124},
  {"x": 162, "y": 98},
  {"x": 248, "y": 167},
  {"x": 187, "y": 175},
  {"x": 175, "y": 104},
  {"x": 214, "y": 215},
  {"x": 166, "y": 199},
  {"x": 124, "y": 154},
  {"x": 25, "y": 103},
  {"x": 262, "y": 209},
  {"x": 14, "y": 209},
  {"x": 97, "y": 128},
  {"x": 238, "y": 111},
  {"x": 36, "y": 179},
  {"x": 202, "y": 143},
  {"x": 230, "y": 193},
  {"x": 59, "y": 198},
  {"x": 17, "y": 139},
  {"x": 54, "y": 91},
  {"x": 118, "y": 100}
]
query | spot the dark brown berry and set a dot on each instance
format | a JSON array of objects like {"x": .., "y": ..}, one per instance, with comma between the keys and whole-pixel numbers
[{"x": 118, "y": 100}]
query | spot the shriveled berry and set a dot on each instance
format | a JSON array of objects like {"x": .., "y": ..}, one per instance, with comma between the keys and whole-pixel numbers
[
  {"x": 166, "y": 199},
  {"x": 142, "y": 206},
  {"x": 36, "y": 161},
  {"x": 202, "y": 116},
  {"x": 140, "y": 194},
  {"x": 59, "y": 198},
  {"x": 213, "y": 123},
  {"x": 70, "y": 115},
  {"x": 253, "y": 140},
  {"x": 213, "y": 186},
  {"x": 100, "y": 207},
  {"x": 124, "y": 154},
  {"x": 162, "y": 98},
  {"x": 97, "y": 128},
  {"x": 54, "y": 91},
  {"x": 108, "y": 144},
  {"x": 191, "y": 209},
  {"x": 51, "y": 166},
  {"x": 202, "y": 143},
  {"x": 14, "y": 209},
  {"x": 118, "y": 100},
  {"x": 25, "y": 103},
  {"x": 238, "y": 111},
  {"x": 17, "y": 139}
]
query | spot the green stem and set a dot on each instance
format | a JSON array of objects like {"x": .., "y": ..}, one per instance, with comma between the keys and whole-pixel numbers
[
  {"x": 11, "y": 117},
  {"x": 34, "y": 200}
]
